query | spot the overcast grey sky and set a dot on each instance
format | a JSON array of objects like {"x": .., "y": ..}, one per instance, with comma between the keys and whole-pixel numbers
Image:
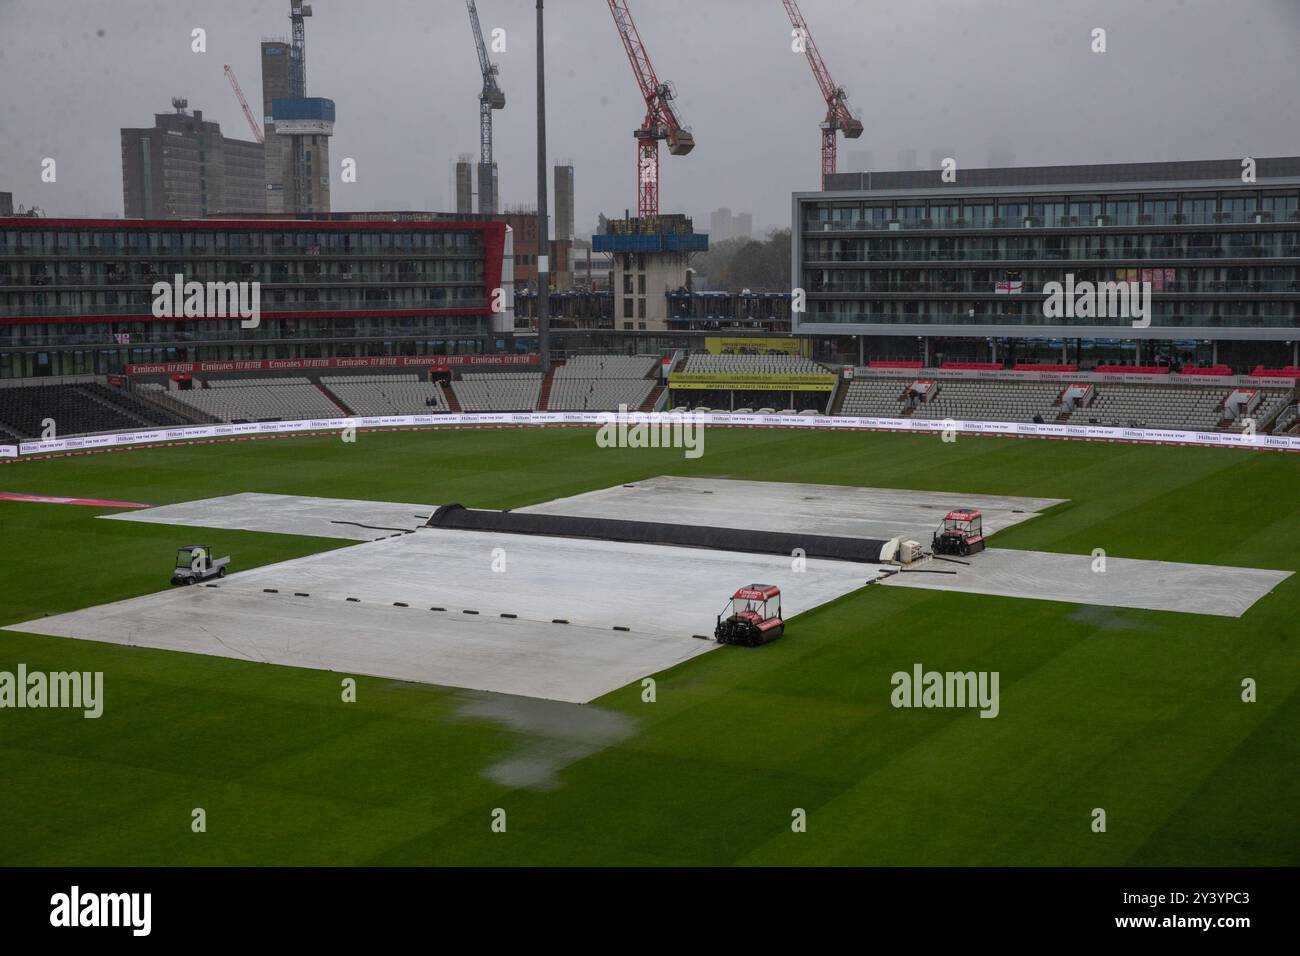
[{"x": 1199, "y": 79}]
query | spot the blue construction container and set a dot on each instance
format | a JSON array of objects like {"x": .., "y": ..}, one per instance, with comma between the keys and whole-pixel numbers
[
  {"x": 651, "y": 242},
  {"x": 302, "y": 108}
]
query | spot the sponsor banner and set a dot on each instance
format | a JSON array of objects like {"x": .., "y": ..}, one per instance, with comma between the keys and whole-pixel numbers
[
  {"x": 1068, "y": 378},
  {"x": 521, "y": 419},
  {"x": 721, "y": 345},
  {"x": 713, "y": 385},
  {"x": 752, "y": 382},
  {"x": 308, "y": 364}
]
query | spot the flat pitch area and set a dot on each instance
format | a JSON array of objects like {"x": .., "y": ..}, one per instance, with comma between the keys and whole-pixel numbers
[
  {"x": 1153, "y": 585},
  {"x": 788, "y": 506},
  {"x": 346, "y": 518},
  {"x": 662, "y": 595},
  {"x": 888, "y": 512}
]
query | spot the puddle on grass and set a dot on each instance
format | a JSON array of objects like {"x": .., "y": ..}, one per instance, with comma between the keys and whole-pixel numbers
[
  {"x": 1105, "y": 618},
  {"x": 558, "y": 734}
]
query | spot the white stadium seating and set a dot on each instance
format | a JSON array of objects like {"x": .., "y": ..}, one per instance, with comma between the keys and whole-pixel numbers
[
  {"x": 269, "y": 399},
  {"x": 602, "y": 382},
  {"x": 498, "y": 391},
  {"x": 372, "y": 395}
]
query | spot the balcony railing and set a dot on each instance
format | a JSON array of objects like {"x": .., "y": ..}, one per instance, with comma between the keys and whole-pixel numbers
[
  {"x": 1037, "y": 319},
  {"x": 1032, "y": 222}
]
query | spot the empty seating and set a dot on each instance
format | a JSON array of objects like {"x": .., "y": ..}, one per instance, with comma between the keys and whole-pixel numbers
[
  {"x": 75, "y": 409},
  {"x": 602, "y": 382},
  {"x": 992, "y": 401},
  {"x": 875, "y": 397},
  {"x": 753, "y": 364},
  {"x": 498, "y": 391},
  {"x": 380, "y": 395},
  {"x": 1155, "y": 406},
  {"x": 268, "y": 400}
]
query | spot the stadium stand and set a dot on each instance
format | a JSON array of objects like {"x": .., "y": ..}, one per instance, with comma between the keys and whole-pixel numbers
[
  {"x": 78, "y": 409},
  {"x": 1288, "y": 421},
  {"x": 373, "y": 395},
  {"x": 1155, "y": 406},
  {"x": 756, "y": 364},
  {"x": 992, "y": 401},
  {"x": 875, "y": 397},
  {"x": 602, "y": 382},
  {"x": 498, "y": 391},
  {"x": 234, "y": 400},
  {"x": 1136, "y": 405},
  {"x": 1272, "y": 404}
]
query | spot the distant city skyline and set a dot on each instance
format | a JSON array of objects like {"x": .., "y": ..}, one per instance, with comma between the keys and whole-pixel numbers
[{"x": 1016, "y": 79}]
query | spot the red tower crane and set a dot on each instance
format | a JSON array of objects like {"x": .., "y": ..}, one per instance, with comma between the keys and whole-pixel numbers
[
  {"x": 660, "y": 121},
  {"x": 838, "y": 116},
  {"x": 248, "y": 114}
]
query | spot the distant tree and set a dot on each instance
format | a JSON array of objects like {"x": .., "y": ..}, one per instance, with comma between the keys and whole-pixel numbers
[{"x": 760, "y": 265}]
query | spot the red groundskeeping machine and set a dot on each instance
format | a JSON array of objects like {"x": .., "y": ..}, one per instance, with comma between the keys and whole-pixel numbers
[
  {"x": 752, "y": 617},
  {"x": 962, "y": 532}
]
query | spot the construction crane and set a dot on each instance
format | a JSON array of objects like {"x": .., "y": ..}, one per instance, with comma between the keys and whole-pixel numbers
[
  {"x": 248, "y": 114},
  {"x": 838, "y": 116},
  {"x": 489, "y": 99},
  {"x": 298, "y": 53},
  {"x": 661, "y": 120}
]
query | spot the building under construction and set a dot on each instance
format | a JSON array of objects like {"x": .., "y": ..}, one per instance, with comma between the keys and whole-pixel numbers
[
  {"x": 651, "y": 258},
  {"x": 297, "y": 127}
]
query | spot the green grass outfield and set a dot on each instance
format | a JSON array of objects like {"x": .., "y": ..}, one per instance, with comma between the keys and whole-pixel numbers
[{"x": 1137, "y": 712}]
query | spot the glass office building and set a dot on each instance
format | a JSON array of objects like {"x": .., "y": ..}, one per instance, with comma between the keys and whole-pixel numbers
[
  {"x": 76, "y": 295},
  {"x": 904, "y": 264}
]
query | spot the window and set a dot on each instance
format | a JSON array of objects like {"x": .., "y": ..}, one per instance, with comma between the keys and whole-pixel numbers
[
  {"x": 1083, "y": 213},
  {"x": 1159, "y": 212},
  {"x": 1012, "y": 213},
  {"x": 1050, "y": 213},
  {"x": 1199, "y": 209},
  {"x": 1281, "y": 208},
  {"x": 1122, "y": 212},
  {"x": 877, "y": 216},
  {"x": 911, "y": 215},
  {"x": 1239, "y": 208},
  {"x": 944, "y": 215}
]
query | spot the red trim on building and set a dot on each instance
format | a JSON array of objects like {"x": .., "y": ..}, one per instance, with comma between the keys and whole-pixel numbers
[
  {"x": 445, "y": 362},
  {"x": 266, "y": 225},
  {"x": 298, "y": 314},
  {"x": 494, "y": 242}
]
